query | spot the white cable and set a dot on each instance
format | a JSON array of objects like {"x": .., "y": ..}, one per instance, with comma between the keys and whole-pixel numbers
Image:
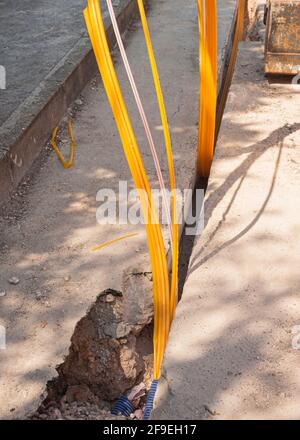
[{"x": 142, "y": 113}]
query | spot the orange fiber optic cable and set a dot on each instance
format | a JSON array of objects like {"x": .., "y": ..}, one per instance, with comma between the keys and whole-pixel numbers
[
  {"x": 207, "y": 12},
  {"x": 95, "y": 26},
  {"x": 142, "y": 113},
  {"x": 167, "y": 136}
]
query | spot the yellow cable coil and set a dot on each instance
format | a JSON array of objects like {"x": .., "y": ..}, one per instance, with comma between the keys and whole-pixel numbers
[
  {"x": 161, "y": 291},
  {"x": 207, "y": 13},
  {"x": 116, "y": 240},
  {"x": 65, "y": 163},
  {"x": 167, "y": 136}
]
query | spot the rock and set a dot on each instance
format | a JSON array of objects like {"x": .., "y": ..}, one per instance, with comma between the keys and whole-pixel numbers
[
  {"x": 138, "y": 414},
  {"x": 14, "y": 281},
  {"x": 68, "y": 278},
  {"x": 105, "y": 356},
  {"x": 78, "y": 102},
  {"x": 57, "y": 413},
  {"x": 138, "y": 299},
  {"x": 80, "y": 393},
  {"x": 43, "y": 416},
  {"x": 38, "y": 295},
  {"x": 137, "y": 392},
  {"x": 2, "y": 293},
  {"x": 212, "y": 412},
  {"x": 107, "y": 367}
]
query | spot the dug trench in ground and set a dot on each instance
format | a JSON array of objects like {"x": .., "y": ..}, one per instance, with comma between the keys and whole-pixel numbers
[
  {"x": 49, "y": 227},
  {"x": 232, "y": 351}
]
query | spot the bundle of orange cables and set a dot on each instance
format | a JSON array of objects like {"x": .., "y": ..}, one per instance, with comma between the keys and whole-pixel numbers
[
  {"x": 164, "y": 292},
  {"x": 165, "y": 298},
  {"x": 209, "y": 116},
  {"x": 207, "y": 13}
]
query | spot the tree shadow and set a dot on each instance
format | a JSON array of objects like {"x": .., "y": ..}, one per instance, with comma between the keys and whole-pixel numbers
[
  {"x": 239, "y": 174},
  {"x": 223, "y": 373}
]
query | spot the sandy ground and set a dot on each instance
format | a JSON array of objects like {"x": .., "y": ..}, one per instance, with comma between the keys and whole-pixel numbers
[
  {"x": 233, "y": 351},
  {"x": 49, "y": 228}
]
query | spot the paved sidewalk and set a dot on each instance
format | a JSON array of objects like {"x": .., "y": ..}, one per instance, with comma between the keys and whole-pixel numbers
[{"x": 233, "y": 351}]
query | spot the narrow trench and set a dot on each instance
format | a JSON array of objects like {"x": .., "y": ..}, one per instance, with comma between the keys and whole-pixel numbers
[
  {"x": 187, "y": 241},
  {"x": 111, "y": 348}
]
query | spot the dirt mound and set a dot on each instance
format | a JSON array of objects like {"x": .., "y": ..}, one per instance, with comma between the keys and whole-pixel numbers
[{"x": 111, "y": 352}]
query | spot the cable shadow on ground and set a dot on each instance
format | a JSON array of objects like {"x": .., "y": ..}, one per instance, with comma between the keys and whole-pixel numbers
[{"x": 276, "y": 138}]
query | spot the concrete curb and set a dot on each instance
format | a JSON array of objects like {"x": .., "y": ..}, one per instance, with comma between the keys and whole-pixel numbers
[{"x": 26, "y": 131}]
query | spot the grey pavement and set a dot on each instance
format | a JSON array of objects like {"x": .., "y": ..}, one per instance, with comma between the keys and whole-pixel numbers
[{"x": 35, "y": 36}]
